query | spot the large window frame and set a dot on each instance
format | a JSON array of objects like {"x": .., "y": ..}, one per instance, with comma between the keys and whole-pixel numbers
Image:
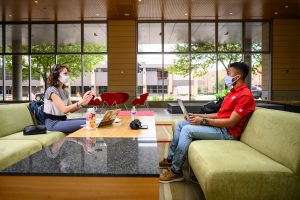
[
  {"x": 55, "y": 53},
  {"x": 243, "y": 51}
]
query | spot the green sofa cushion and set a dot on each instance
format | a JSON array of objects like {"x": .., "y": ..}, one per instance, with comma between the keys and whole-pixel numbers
[
  {"x": 275, "y": 134},
  {"x": 44, "y": 139},
  {"x": 12, "y": 151},
  {"x": 232, "y": 170},
  {"x": 13, "y": 118}
]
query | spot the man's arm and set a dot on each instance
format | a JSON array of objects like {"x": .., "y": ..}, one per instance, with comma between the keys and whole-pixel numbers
[
  {"x": 228, "y": 122},
  {"x": 208, "y": 116}
]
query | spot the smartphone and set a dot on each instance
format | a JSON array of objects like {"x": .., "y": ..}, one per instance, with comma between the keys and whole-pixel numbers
[{"x": 144, "y": 127}]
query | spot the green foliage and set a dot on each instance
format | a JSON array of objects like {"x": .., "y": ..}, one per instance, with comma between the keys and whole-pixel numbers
[
  {"x": 169, "y": 98},
  {"x": 155, "y": 98},
  {"x": 221, "y": 94},
  {"x": 202, "y": 63},
  {"x": 41, "y": 64}
]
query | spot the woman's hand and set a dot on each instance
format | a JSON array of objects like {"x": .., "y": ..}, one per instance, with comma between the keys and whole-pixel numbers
[{"x": 86, "y": 98}]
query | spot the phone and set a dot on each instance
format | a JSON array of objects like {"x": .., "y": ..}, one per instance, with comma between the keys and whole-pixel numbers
[{"x": 144, "y": 127}]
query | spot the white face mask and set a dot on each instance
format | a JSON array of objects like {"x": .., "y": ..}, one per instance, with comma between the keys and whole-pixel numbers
[
  {"x": 63, "y": 78},
  {"x": 229, "y": 80}
]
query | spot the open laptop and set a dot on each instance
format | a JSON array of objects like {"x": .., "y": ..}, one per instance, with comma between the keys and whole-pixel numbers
[
  {"x": 184, "y": 111},
  {"x": 109, "y": 117}
]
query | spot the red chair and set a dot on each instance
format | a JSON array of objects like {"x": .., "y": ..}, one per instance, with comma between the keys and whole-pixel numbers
[
  {"x": 95, "y": 102},
  {"x": 141, "y": 101},
  {"x": 111, "y": 99},
  {"x": 124, "y": 99}
]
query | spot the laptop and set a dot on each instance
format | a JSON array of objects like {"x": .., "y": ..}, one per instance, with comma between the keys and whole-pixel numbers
[
  {"x": 109, "y": 117},
  {"x": 184, "y": 111}
]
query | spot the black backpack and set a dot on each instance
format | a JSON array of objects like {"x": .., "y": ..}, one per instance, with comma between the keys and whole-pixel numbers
[
  {"x": 37, "y": 108},
  {"x": 211, "y": 107}
]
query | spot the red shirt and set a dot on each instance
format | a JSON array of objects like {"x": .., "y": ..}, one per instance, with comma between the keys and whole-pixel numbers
[{"x": 241, "y": 101}]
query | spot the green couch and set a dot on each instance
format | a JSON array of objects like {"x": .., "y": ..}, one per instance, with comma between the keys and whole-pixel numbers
[
  {"x": 264, "y": 164},
  {"x": 14, "y": 146}
]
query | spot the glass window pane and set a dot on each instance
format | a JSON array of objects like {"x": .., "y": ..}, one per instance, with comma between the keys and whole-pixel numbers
[
  {"x": 149, "y": 37},
  {"x": 177, "y": 66},
  {"x": 17, "y": 76},
  {"x": 230, "y": 37},
  {"x": 16, "y": 38},
  {"x": 1, "y": 43},
  {"x": 223, "y": 64},
  {"x": 68, "y": 38},
  {"x": 203, "y": 69},
  {"x": 151, "y": 76},
  {"x": 74, "y": 64},
  {"x": 42, "y": 38},
  {"x": 257, "y": 36},
  {"x": 1, "y": 79},
  {"x": 95, "y": 74},
  {"x": 40, "y": 69},
  {"x": 176, "y": 37},
  {"x": 95, "y": 38},
  {"x": 203, "y": 37}
]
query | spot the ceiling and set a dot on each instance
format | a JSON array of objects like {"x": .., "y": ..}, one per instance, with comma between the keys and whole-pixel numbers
[{"x": 76, "y": 10}]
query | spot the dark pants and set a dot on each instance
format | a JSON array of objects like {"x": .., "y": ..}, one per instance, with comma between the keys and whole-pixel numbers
[{"x": 65, "y": 126}]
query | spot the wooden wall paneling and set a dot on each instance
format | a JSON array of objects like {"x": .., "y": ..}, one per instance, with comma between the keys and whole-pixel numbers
[
  {"x": 286, "y": 59},
  {"x": 122, "y": 57}
]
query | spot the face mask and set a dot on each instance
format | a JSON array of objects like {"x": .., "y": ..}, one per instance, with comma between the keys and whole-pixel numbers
[
  {"x": 63, "y": 79},
  {"x": 229, "y": 81}
]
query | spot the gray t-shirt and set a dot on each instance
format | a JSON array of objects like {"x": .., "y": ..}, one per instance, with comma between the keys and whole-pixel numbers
[{"x": 49, "y": 105}]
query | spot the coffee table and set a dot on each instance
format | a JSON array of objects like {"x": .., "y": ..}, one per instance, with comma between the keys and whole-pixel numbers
[
  {"x": 89, "y": 166},
  {"x": 121, "y": 129}
]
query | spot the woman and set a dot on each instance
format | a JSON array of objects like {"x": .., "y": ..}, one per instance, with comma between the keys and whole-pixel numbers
[{"x": 58, "y": 103}]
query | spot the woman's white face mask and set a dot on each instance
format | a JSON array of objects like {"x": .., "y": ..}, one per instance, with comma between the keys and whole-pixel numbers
[
  {"x": 229, "y": 80},
  {"x": 63, "y": 78}
]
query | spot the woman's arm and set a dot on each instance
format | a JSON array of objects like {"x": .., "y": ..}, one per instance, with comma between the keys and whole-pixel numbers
[{"x": 65, "y": 109}]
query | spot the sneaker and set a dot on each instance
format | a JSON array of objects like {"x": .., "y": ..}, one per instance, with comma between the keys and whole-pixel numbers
[
  {"x": 165, "y": 163},
  {"x": 169, "y": 177}
]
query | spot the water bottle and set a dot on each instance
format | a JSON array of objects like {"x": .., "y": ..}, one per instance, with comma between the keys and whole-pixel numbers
[
  {"x": 133, "y": 112},
  {"x": 90, "y": 119}
]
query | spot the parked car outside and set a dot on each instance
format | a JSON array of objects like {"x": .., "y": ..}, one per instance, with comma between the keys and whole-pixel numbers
[{"x": 256, "y": 92}]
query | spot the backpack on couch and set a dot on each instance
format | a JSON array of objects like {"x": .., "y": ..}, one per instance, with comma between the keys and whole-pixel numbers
[
  {"x": 37, "y": 108},
  {"x": 211, "y": 107}
]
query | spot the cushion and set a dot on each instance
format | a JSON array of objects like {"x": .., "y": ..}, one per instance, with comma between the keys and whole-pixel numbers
[
  {"x": 277, "y": 135},
  {"x": 233, "y": 170},
  {"x": 12, "y": 151},
  {"x": 13, "y": 118},
  {"x": 44, "y": 139}
]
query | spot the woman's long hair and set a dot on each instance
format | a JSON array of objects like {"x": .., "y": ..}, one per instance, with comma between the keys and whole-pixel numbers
[{"x": 53, "y": 78}]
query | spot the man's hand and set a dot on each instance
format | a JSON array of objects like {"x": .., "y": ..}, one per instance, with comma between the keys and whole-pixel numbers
[{"x": 195, "y": 120}]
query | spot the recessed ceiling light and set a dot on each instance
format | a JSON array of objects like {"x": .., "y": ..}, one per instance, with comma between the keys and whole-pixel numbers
[
  {"x": 185, "y": 14},
  {"x": 275, "y": 13},
  {"x": 230, "y": 13},
  {"x": 126, "y": 14},
  {"x": 36, "y": 1},
  {"x": 10, "y": 15},
  {"x": 286, "y": 6},
  {"x": 140, "y": 0},
  {"x": 97, "y": 14}
]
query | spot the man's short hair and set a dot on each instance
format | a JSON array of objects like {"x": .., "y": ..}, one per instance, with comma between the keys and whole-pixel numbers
[{"x": 243, "y": 67}]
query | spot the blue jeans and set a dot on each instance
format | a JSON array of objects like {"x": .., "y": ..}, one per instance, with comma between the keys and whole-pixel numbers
[
  {"x": 185, "y": 134},
  {"x": 66, "y": 126}
]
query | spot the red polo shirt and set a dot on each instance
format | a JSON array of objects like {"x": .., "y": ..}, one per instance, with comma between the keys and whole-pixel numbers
[{"x": 240, "y": 100}]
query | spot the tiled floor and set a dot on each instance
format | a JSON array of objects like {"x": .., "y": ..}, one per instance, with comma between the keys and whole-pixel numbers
[{"x": 185, "y": 190}]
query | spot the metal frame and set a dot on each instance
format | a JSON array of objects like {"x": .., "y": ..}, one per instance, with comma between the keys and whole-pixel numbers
[
  {"x": 216, "y": 52},
  {"x": 55, "y": 53}
]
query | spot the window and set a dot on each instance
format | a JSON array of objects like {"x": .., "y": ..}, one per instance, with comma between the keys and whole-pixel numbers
[
  {"x": 95, "y": 37},
  {"x": 68, "y": 38},
  {"x": 196, "y": 56},
  {"x": 16, "y": 38},
  {"x": 42, "y": 38}
]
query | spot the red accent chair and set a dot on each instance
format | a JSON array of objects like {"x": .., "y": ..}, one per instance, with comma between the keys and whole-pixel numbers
[
  {"x": 141, "y": 101},
  {"x": 111, "y": 99},
  {"x": 124, "y": 99}
]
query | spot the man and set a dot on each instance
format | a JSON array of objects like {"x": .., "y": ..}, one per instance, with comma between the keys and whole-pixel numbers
[{"x": 227, "y": 124}]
